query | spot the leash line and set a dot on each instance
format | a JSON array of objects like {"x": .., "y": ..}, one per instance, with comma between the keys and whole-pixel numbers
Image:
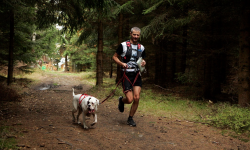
[
  {"x": 122, "y": 79},
  {"x": 113, "y": 91}
]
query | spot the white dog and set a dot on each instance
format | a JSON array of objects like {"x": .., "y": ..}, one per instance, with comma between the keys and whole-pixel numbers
[{"x": 86, "y": 105}]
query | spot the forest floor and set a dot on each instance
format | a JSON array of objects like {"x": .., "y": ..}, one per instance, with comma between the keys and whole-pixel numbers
[{"x": 42, "y": 120}]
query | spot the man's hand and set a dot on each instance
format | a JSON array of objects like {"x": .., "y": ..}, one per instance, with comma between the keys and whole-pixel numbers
[
  {"x": 124, "y": 65},
  {"x": 116, "y": 59},
  {"x": 143, "y": 63}
]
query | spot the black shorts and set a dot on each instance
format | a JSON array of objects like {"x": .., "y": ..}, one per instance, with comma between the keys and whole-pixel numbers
[{"x": 127, "y": 86}]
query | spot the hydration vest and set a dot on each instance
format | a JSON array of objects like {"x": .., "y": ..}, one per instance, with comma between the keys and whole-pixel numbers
[{"x": 128, "y": 54}]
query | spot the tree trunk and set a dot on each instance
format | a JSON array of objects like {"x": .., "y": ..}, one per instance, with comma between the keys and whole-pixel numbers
[
  {"x": 183, "y": 55},
  {"x": 72, "y": 65},
  {"x": 184, "y": 49},
  {"x": 157, "y": 66},
  {"x": 120, "y": 31},
  {"x": 99, "y": 58},
  {"x": 11, "y": 49},
  {"x": 207, "y": 78},
  {"x": 244, "y": 60},
  {"x": 111, "y": 68},
  {"x": 66, "y": 63},
  {"x": 161, "y": 64},
  {"x": 164, "y": 66},
  {"x": 214, "y": 68},
  {"x": 173, "y": 63}
]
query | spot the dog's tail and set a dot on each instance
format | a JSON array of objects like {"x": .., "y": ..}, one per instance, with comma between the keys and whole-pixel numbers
[{"x": 73, "y": 92}]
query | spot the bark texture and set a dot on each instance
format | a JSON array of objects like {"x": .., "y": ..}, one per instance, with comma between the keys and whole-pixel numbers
[
  {"x": 99, "y": 56},
  {"x": 244, "y": 60},
  {"x": 11, "y": 49}
]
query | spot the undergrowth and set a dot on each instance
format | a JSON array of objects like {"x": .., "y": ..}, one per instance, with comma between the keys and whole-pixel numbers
[
  {"x": 5, "y": 141},
  {"x": 220, "y": 115},
  {"x": 8, "y": 94},
  {"x": 230, "y": 116}
]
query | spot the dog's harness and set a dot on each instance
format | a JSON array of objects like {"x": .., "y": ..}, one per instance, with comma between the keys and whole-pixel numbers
[{"x": 80, "y": 99}]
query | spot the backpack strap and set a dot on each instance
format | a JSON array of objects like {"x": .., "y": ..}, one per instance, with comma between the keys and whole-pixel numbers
[
  {"x": 128, "y": 54},
  {"x": 138, "y": 46},
  {"x": 128, "y": 43}
]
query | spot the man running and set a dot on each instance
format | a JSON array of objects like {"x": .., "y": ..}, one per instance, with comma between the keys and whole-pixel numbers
[{"x": 130, "y": 51}]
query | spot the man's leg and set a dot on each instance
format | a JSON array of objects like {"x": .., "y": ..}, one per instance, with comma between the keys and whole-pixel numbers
[
  {"x": 136, "y": 97},
  {"x": 129, "y": 97},
  {"x": 126, "y": 100},
  {"x": 134, "y": 106}
]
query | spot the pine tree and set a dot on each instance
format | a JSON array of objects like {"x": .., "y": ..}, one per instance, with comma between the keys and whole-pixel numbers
[
  {"x": 17, "y": 27},
  {"x": 168, "y": 28}
]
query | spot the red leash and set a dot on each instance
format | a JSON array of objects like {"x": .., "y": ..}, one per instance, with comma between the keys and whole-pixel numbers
[{"x": 122, "y": 79}]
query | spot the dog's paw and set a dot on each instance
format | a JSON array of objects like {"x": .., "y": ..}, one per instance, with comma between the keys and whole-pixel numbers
[
  {"x": 85, "y": 127},
  {"x": 79, "y": 122},
  {"x": 93, "y": 123}
]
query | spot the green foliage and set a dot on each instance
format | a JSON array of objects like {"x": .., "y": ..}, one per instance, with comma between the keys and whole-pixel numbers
[
  {"x": 24, "y": 14},
  {"x": 125, "y": 8},
  {"x": 45, "y": 43},
  {"x": 80, "y": 55},
  {"x": 74, "y": 14},
  {"x": 186, "y": 78},
  {"x": 5, "y": 142},
  {"x": 109, "y": 11},
  {"x": 64, "y": 40},
  {"x": 167, "y": 17},
  {"x": 182, "y": 78},
  {"x": 232, "y": 117},
  {"x": 154, "y": 7},
  {"x": 25, "y": 49},
  {"x": 86, "y": 57},
  {"x": 68, "y": 14}
]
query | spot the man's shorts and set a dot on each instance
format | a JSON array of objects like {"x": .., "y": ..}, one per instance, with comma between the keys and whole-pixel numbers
[{"x": 127, "y": 86}]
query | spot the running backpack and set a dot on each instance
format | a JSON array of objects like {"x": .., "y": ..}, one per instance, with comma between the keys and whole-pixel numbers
[{"x": 128, "y": 54}]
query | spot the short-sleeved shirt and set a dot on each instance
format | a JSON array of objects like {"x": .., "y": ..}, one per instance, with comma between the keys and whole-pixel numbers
[{"x": 122, "y": 49}]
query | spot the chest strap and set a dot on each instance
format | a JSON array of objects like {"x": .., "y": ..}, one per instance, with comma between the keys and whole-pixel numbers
[{"x": 128, "y": 54}]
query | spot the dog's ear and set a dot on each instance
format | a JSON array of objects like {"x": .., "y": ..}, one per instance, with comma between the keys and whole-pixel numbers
[
  {"x": 88, "y": 100},
  {"x": 97, "y": 101}
]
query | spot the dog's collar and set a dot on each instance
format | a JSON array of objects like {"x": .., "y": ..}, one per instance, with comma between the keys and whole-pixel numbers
[{"x": 80, "y": 99}]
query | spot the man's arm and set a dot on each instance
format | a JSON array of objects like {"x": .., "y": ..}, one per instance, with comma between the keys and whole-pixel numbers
[{"x": 117, "y": 60}]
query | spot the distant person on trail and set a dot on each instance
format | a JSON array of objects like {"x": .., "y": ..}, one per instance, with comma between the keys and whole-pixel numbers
[{"x": 130, "y": 51}]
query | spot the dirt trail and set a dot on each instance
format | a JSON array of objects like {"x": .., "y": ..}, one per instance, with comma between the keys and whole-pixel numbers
[{"x": 43, "y": 121}]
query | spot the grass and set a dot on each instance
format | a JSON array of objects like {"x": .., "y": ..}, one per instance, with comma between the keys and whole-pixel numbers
[
  {"x": 234, "y": 119},
  {"x": 5, "y": 142},
  {"x": 156, "y": 104}
]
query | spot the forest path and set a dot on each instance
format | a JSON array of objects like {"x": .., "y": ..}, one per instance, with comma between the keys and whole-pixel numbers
[{"x": 43, "y": 120}]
